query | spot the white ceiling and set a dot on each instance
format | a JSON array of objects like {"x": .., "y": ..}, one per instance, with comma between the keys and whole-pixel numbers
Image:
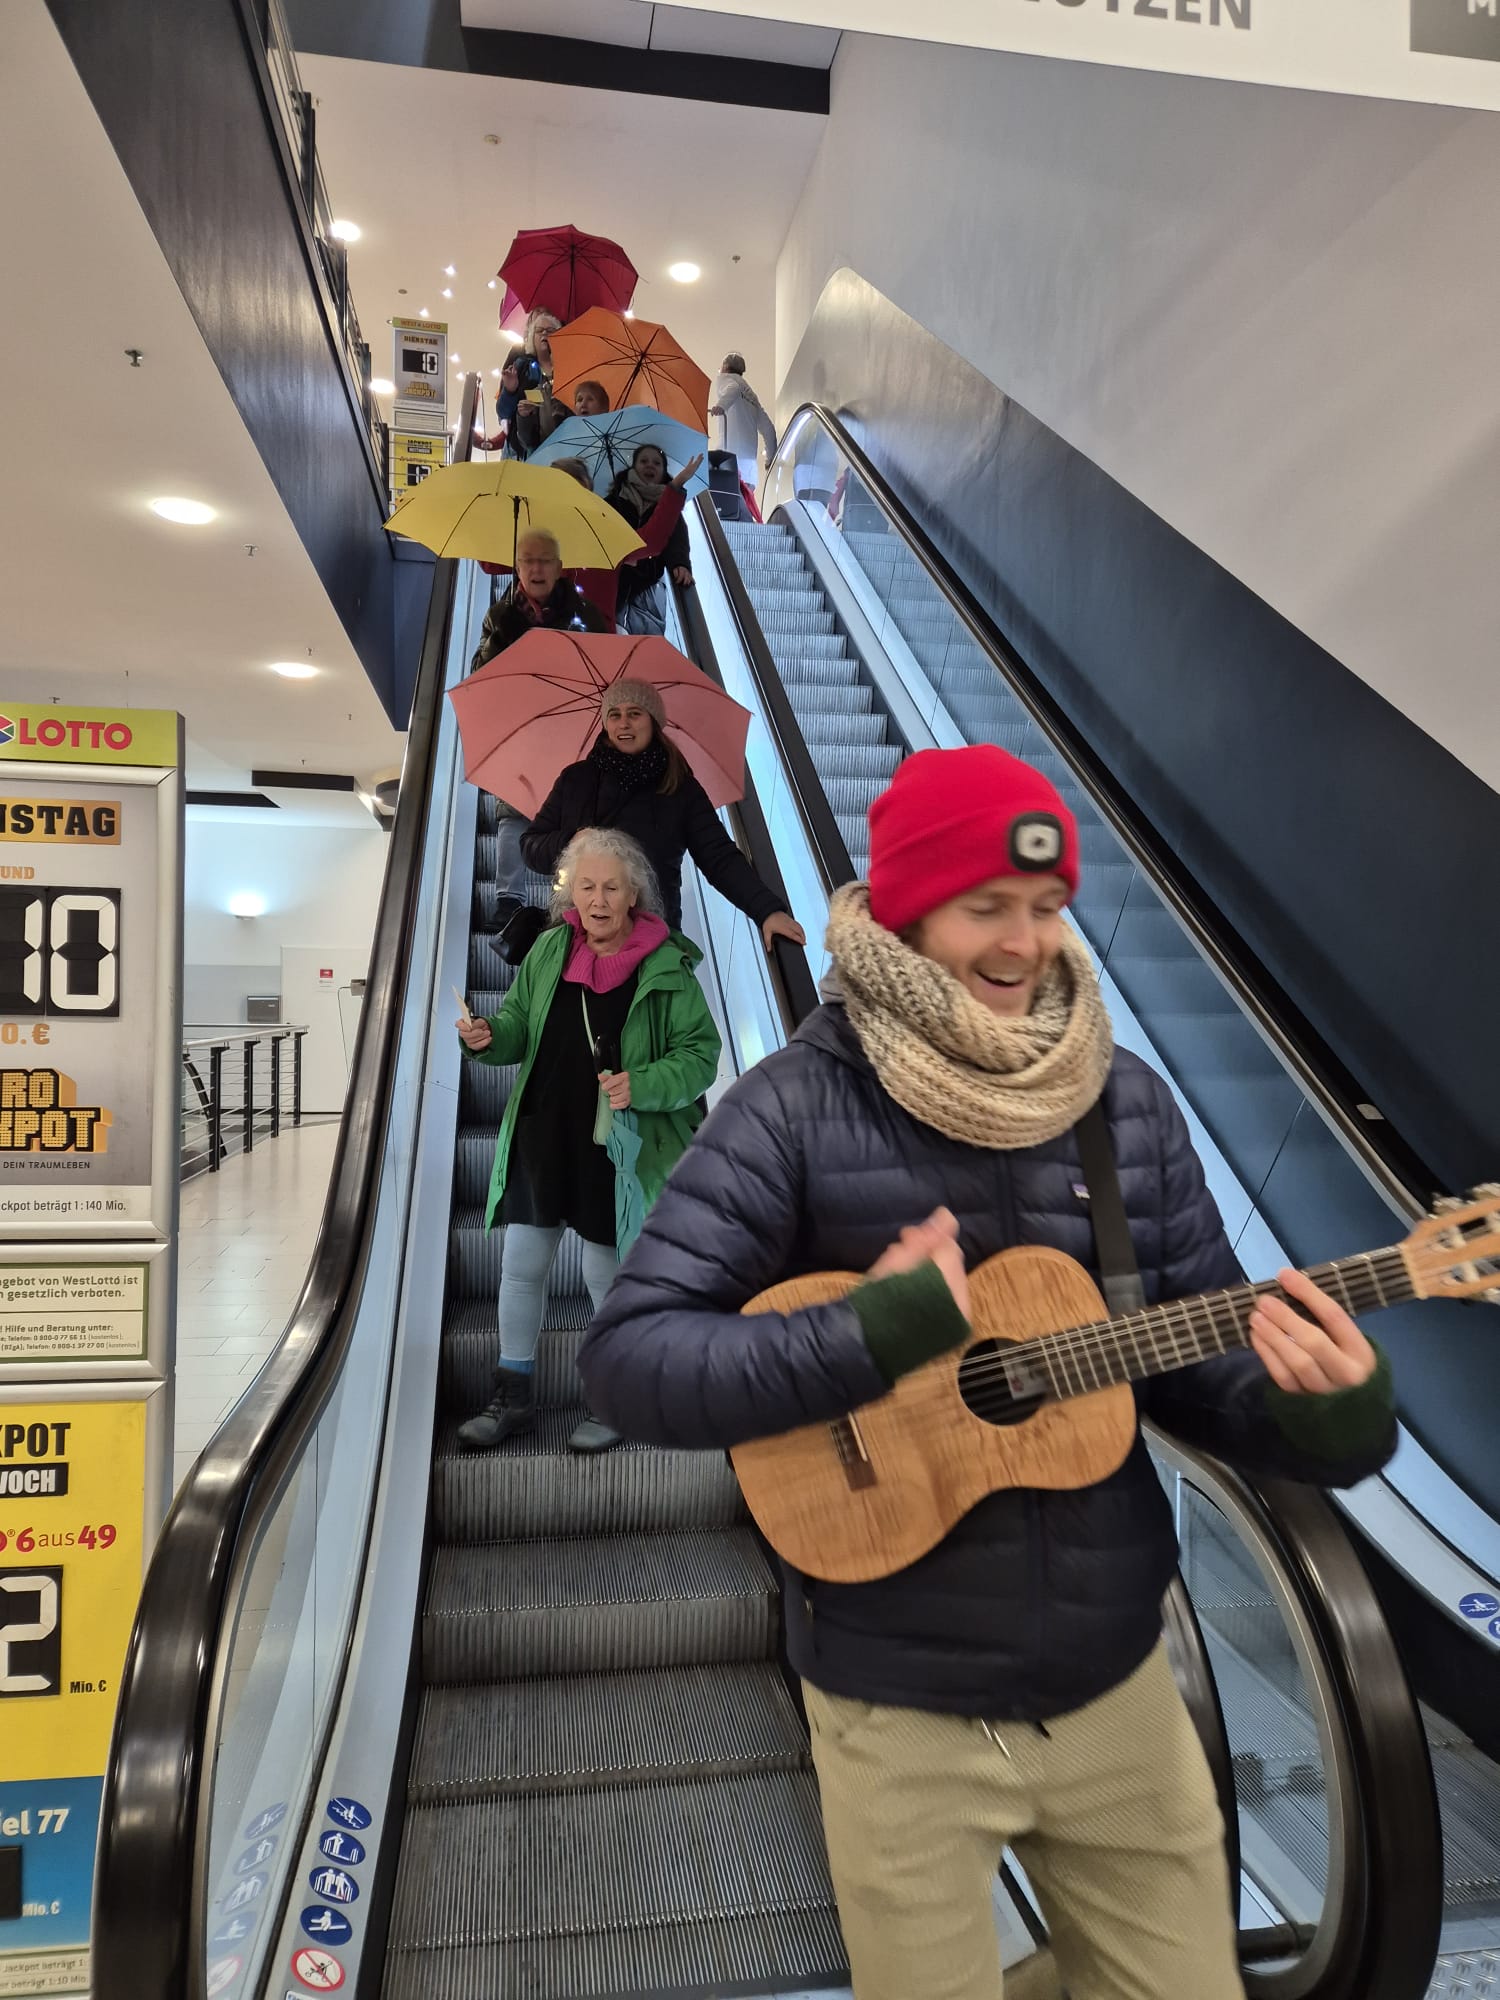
[
  {"x": 103, "y": 602},
  {"x": 404, "y": 155},
  {"x": 637, "y": 24}
]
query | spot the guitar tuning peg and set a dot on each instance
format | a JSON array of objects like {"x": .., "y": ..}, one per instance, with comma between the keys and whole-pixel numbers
[
  {"x": 1444, "y": 1204},
  {"x": 1486, "y": 1191}
]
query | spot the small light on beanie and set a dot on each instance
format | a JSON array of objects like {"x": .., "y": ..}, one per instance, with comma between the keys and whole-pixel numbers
[{"x": 1036, "y": 842}]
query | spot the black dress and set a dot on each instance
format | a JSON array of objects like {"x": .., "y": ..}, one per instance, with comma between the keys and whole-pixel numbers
[{"x": 557, "y": 1174}]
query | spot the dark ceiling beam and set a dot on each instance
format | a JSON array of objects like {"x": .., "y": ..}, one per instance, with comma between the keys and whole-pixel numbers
[{"x": 646, "y": 72}]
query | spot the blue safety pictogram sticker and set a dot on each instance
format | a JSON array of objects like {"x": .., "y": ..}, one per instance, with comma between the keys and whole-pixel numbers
[
  {"x": 334, "y": 1885},
  {"x": 349, "y": 1813},
  {"x": 344, "y": 1847},
  {"x": 1493, "y": 1628},
  {"x": 245, "y": 1891},
  {"x": 1479, "y": 1604},
  {"x": 232, "y": 1933},
  {"x": 259, "y": 1852},
  {"x": 327, "y": 1926},
  {"x": 265, "y": 1822}
]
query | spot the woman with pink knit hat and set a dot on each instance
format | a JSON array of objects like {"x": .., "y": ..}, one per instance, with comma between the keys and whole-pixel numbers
[
  {"x": 636, "y": 779},
  {"x": 1011, "y": 1687}
]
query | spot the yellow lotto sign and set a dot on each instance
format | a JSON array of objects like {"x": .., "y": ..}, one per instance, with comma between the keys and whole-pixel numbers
[
  {"x": 72, "y": 1479},
  {"x": 37, "y": 732}
]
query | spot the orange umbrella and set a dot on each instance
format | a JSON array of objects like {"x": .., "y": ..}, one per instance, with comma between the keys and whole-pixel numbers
[{"x": 635, "y": 360}]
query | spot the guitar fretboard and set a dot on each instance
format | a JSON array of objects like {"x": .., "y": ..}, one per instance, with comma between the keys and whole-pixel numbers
[{"x": 1098, "y": 1356}]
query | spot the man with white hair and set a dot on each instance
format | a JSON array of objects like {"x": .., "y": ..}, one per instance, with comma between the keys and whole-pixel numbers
[{"x": 541, "y": 598}]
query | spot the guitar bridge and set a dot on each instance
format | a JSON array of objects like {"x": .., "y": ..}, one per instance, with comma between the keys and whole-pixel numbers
[{"x": 854, "y": 1456}]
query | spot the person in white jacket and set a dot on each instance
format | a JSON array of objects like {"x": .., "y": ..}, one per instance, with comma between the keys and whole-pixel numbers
[{"x": 743, "y": 422}]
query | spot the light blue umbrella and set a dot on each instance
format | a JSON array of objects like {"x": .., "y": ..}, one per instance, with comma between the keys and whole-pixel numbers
[
  {"x": 607, "y": 444},
  {"x": 624, "y": 1149}
]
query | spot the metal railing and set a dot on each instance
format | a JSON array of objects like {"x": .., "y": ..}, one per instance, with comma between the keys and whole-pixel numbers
[
  {"x": 237, "y": 1084},
  {"x": 299, "y": 124}
]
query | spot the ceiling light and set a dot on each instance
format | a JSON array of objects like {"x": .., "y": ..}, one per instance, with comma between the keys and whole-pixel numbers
[
  {"x": 187, "y": 513},
  {"x": 293, "y": 670},
  {"x": 628, "y": 313},
  {"x": 422, "y": 313},
  {"x": 492, "y": 284},
  {"x": 495, "y": 371},
  {"x": 247, "y": 904},
  {"x": 447, "y": 291},
  {"x": 449, "y": 271},
  {"x": 458, "y": 361},
  {"x": 346, "y": 232},
  {"x": 685, "y": 274},
  {"x": 508, "y": 333},
  {"x": 380, "y": 387}
]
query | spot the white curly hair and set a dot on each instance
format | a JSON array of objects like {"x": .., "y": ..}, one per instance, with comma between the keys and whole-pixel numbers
[{"x": 606, "y": 840}]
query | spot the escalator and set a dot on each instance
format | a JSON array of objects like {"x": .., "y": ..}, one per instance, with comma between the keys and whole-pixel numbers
[{"x": 518, "y": 1723}]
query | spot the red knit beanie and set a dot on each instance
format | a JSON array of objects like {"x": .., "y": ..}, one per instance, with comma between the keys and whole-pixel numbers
[{"x": 951, "y": 819}]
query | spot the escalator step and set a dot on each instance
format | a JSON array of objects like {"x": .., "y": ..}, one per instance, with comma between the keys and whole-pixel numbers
[
  {"x": 873, "y": 764},
  {"x": 535, "y": 1486},
  {"x": 812, "y": 646},
  {"x": 474, "y": 1260},
  {"x": 837, "y": 701},
  {"x": 471, "y": 1345},
  {"x": 597, "y": 1604},
  {"x": 846, "y": 728},
  {"x": 788, "y": 1951},
  {"x": 796, "y": 670},
  {"x": 628, "y": 1859},
  {"x": 604, "y": 1729},
  {"x": 849, "y": 795}
]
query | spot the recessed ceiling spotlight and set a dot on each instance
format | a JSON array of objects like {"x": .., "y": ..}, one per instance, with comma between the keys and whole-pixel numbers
[
  {"x": 380, "y": 387},
  {"x": 458, "y": 360},
  {"x": 294, "y": 670},
  {"x": 447, "y": 291},
  {"x": 346, "y": 232},
  {"x": 186, "y": 513},
  {"x": 496, "y": 371},
  {"x": 492, "y": 138},
  {"x": 628, "y": 313},
  {"x": 685, "y": 273},
  {"x": 450, "y": 271},
  {"x": 509, "y": 334},
  {"x": 491, "y": 285},
  {"x": 423, "y": 313}
]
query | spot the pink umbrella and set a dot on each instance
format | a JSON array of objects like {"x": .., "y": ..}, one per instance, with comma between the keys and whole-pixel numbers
[
  {"x": 512, "y": 312},
  {"x": 535, "y": 709}
]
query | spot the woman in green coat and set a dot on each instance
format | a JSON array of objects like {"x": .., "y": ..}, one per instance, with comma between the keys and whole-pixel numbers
[{"x": 616, "y": 1047}]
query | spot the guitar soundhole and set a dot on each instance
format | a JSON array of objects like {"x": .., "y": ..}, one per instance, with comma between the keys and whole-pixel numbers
[{"x": 999, "y": 1384}]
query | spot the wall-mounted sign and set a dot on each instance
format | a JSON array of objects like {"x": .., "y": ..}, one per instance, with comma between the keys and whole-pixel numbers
[
  {"x": 89, "y": 863},
  {"x": 84, "y": 1309},
  {"x": 1428, "y": 51},
  {"x": 75, "y": 1486},
  {"x": 419, "y": 369},
  {"x": 413, "y": 457}
]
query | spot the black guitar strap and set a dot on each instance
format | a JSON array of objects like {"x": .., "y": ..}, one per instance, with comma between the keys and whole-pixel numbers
[{"x": 1118, "y": 1270}]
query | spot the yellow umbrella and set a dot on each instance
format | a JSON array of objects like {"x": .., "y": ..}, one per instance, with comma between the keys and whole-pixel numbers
[{"x": 479, "y": 511}]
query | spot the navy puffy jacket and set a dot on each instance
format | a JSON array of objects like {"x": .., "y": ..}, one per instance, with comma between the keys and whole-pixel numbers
[{"x": 1037, "y": 1601}]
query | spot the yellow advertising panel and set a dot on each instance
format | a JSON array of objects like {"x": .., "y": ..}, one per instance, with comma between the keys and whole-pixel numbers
[
  {"x": 39, "y": 733},
  {"x": 60, "y": 822},
  {"x": 72, "y": 1482}
]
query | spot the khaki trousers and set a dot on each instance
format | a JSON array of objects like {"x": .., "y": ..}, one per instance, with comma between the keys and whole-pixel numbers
[{"x": 1111, "y": 1812}]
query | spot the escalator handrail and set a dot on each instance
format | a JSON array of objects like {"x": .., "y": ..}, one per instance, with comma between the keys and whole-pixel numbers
[
  {"x": 830, "y": 851},
  {"x": 1392, "y": 1925},
  {"x": 1406, "y": 1180},
  {"x": 796, "y": 989},
  {"x": 153, "y": 1833}
]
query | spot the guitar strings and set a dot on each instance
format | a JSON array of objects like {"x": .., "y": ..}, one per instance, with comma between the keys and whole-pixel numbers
[{"x": 1083, "y": 1348}]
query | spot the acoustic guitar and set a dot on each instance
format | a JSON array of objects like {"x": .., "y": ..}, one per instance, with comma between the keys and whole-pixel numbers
[{"x": 1040, "y": 1396}]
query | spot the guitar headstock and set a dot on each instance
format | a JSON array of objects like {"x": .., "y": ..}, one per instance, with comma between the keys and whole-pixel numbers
[{"x": 1455, "y": 1252}]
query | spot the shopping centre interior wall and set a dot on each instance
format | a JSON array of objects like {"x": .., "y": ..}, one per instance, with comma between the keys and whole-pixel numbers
[
  {"x": 321, "y": 887},
  {"x": 1268, "y": 314}
]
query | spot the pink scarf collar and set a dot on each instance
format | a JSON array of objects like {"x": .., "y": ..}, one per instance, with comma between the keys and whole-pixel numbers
[{"x": 602, "y": 975}]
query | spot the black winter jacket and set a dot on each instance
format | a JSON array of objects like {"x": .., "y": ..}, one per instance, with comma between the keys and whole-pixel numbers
[
  {"x": 638, "y": 577},
  {"x": 1037, "y": 1601},
  {"x": 667, "y": 825},
  {"x": 507, "y": 620}
]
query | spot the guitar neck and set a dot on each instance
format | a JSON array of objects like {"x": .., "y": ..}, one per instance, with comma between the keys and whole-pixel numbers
[{"x": 1084, "y": 1358}]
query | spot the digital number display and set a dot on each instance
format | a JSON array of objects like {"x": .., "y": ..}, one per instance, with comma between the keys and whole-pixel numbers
[
  {"x": 30, "y": 1632},
  {"x": 60, "y": 952}
]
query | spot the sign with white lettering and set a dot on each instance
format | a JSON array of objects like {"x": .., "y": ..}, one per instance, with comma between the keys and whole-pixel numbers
[{"x": 1427, "y": 51}]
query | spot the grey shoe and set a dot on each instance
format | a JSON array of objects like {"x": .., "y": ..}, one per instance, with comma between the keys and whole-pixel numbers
[
  {"x": 591, "y": 1435},
  {"x": 510, "y": 1410}
]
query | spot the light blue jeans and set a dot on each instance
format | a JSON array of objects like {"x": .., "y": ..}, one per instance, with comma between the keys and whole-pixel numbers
[
  {"x": 510, "y": 866},
  {"x": 525, "y": 1264}
]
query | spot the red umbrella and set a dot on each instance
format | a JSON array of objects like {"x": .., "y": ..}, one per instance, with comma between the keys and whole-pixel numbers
[
  {"x": 512, "y": 312},
  {"x": 534, "y": 709},
  {"x": 567, "y": 271}
]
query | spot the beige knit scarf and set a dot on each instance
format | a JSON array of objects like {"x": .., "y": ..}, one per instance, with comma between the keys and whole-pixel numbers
[{"x": 951, "y": 1062}]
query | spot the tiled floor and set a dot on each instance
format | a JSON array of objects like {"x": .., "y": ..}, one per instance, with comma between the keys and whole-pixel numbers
[{"x": 247, "y": 1233}]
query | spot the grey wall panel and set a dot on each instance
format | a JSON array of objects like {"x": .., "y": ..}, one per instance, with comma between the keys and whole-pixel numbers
[{"x": 176, "y": 88}]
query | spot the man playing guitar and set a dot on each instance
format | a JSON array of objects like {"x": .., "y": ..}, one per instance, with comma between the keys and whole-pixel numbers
[{"x": 1010, "y": 1687}]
